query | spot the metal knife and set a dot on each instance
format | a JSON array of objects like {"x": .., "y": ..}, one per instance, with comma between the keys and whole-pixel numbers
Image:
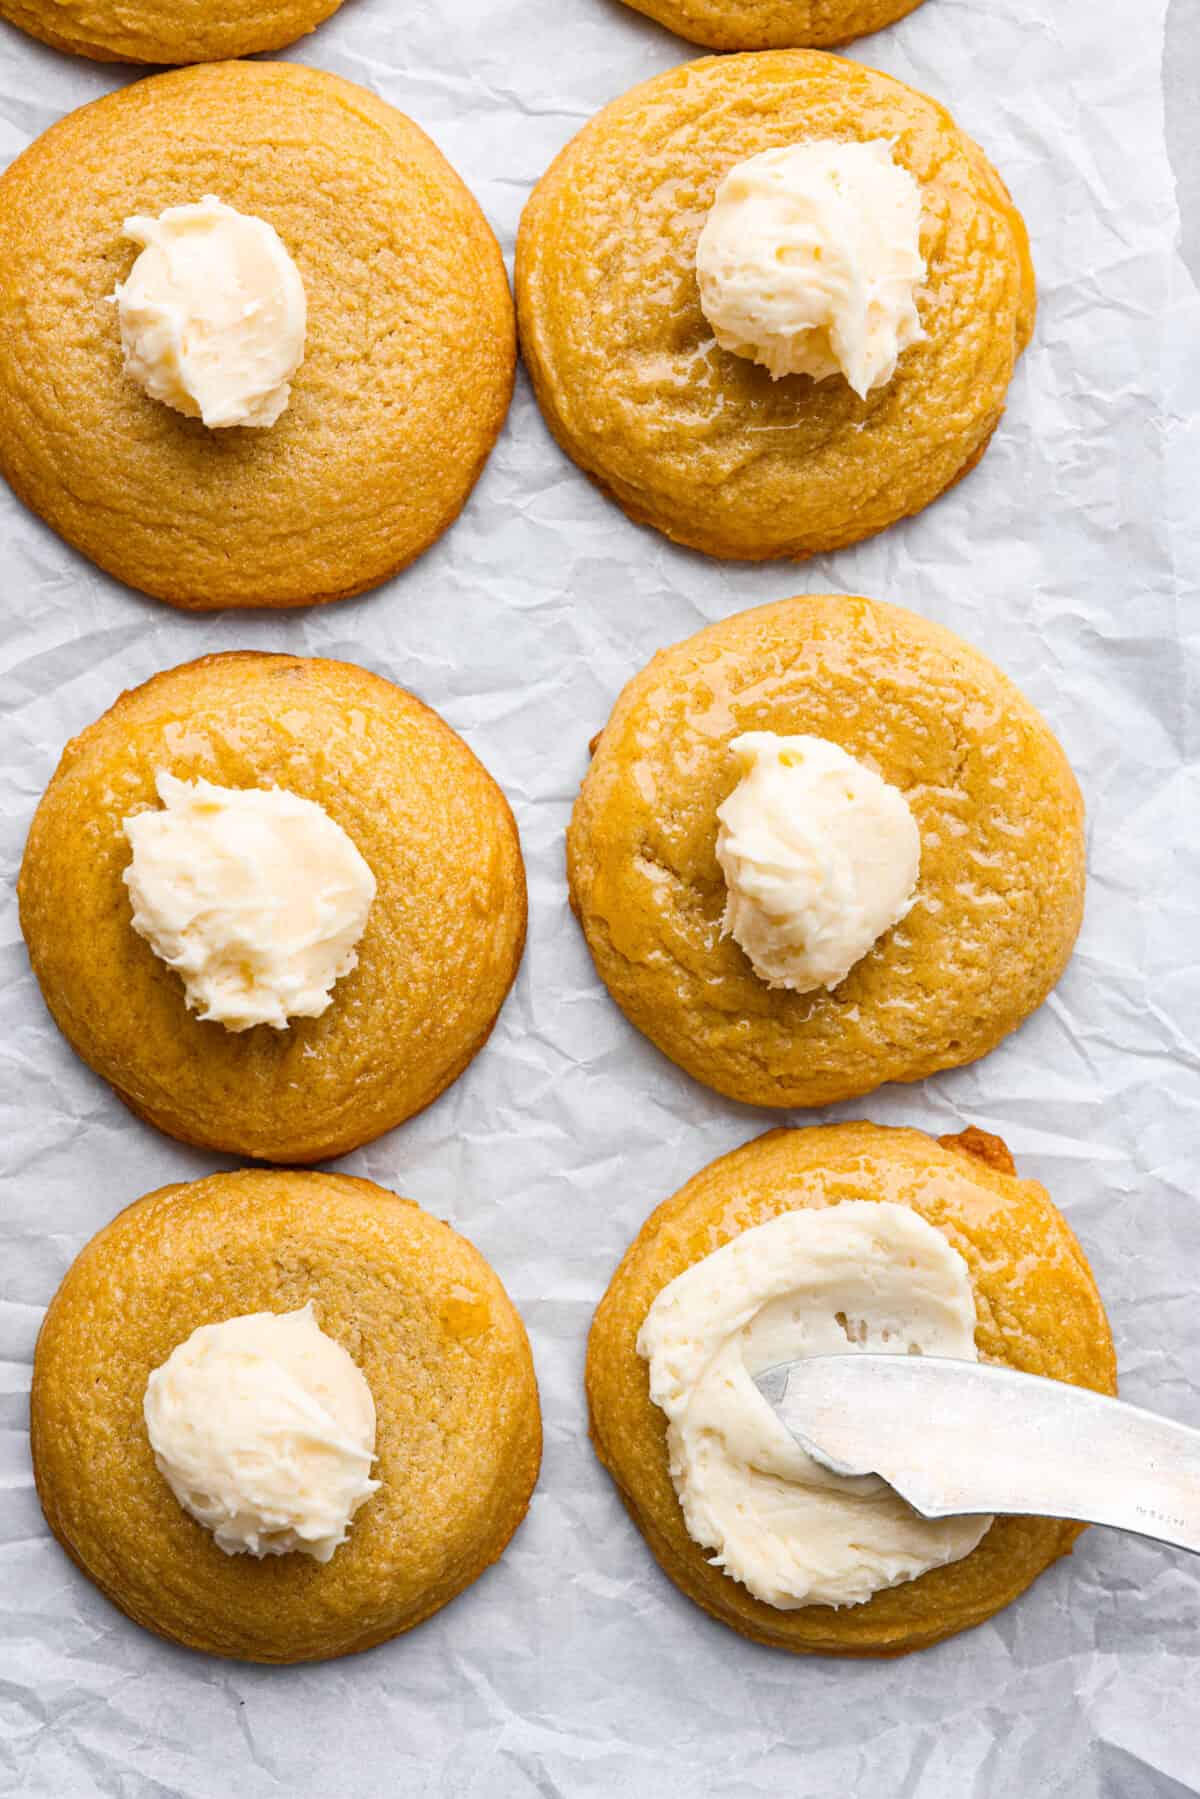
[{"x": 960, "y": 1437}]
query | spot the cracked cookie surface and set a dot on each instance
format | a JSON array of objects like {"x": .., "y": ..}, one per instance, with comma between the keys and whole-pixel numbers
[{"x": 1000, "y": 894}]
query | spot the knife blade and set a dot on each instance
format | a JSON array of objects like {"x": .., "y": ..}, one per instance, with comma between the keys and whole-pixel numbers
[{"x": 961, "y": 1437}]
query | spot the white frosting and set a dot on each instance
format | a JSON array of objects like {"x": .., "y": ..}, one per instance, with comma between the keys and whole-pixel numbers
[
  {"x": 862, "y": 1275},
  {"x": 256, "y": 896},
  {"x": 810, "y": 258},
  {"x": 213, "y": 315},
  {"x": 820, "y": 858},
  {"x": 264, "y": 1430}
]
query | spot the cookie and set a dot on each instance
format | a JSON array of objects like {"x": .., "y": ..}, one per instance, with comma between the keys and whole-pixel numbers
[
  {"x": 166, "y": 31},
  {"x": 699, "y": 442},
  {"x": 999, "y": 898},
  {"x": 773, "y": 24},
  {"x": 1037, "y": 1307},
  {"x": 458, "y": 1437},
  {"x": 443, "y": 937},
  {"x": 408, "y": 363}
]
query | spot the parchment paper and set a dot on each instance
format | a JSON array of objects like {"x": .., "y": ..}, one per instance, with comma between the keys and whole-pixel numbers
[{"x": 1071, "y": 556}]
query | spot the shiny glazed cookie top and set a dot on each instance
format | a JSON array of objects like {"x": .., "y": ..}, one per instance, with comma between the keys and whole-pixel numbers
[
  {"x": 1000, "y": 892},
  {"x": 702, "y": 443}
]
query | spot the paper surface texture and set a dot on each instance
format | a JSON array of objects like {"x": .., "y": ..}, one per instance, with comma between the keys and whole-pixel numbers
[{"x": 1072, "y": 557}]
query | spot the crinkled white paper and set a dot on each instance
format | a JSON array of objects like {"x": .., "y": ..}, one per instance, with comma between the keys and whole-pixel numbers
[{"x": 1072, "y": 557}]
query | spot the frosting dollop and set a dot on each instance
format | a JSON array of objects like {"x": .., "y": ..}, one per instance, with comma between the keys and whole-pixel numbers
[
  {"x": 809, "y": 261},
  {"x": 820, "y": 858},
  {"x": 264, "y": 1429},
  {"x": 862, "y": 1275},
  {"x": 254, "y": 895},
  {"x": 213, "y": 315}
]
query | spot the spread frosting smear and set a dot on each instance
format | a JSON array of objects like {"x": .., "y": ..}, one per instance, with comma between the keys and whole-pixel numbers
[
  {"x": 213, "y": 316},
  {"x": 820, "y": 858},
  {"x": 264, "y": 1429},
  {"x": 810, "y": 258},
  {"x": 862, "y": 1275},
  {"x": 254, "y": 895}
]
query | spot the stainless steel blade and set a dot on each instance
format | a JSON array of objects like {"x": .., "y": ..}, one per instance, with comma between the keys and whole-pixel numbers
[{"x": 959, "y": 1437}]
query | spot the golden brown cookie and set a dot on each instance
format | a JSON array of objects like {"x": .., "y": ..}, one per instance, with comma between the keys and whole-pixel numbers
[
  {"x": 417, "y": 1308},
  {"x": 1038, "y": 1310},
  {"x": 1000, "y": 896},
  {"x": 774, "y": 24},
  {"x": 408, "y": 365},
  {"x": 170, "y": 31},
  {"x": 701, "y": 443},
  {"x": 441, "y": 945}
]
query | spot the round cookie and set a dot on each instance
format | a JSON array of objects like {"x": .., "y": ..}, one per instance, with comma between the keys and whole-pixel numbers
[
  {"x": 774, "y": 24},
  {"x": 439, "y": 952},
  {"x": 701, "y": 443},
  {"x": 166, "y": 31},
  {"x": 418, "y": 1309},
  {"x": 408, "y": 364},
  {"x": 1000, "y": 894},
  {"x": 1038, "y": 1310}
]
